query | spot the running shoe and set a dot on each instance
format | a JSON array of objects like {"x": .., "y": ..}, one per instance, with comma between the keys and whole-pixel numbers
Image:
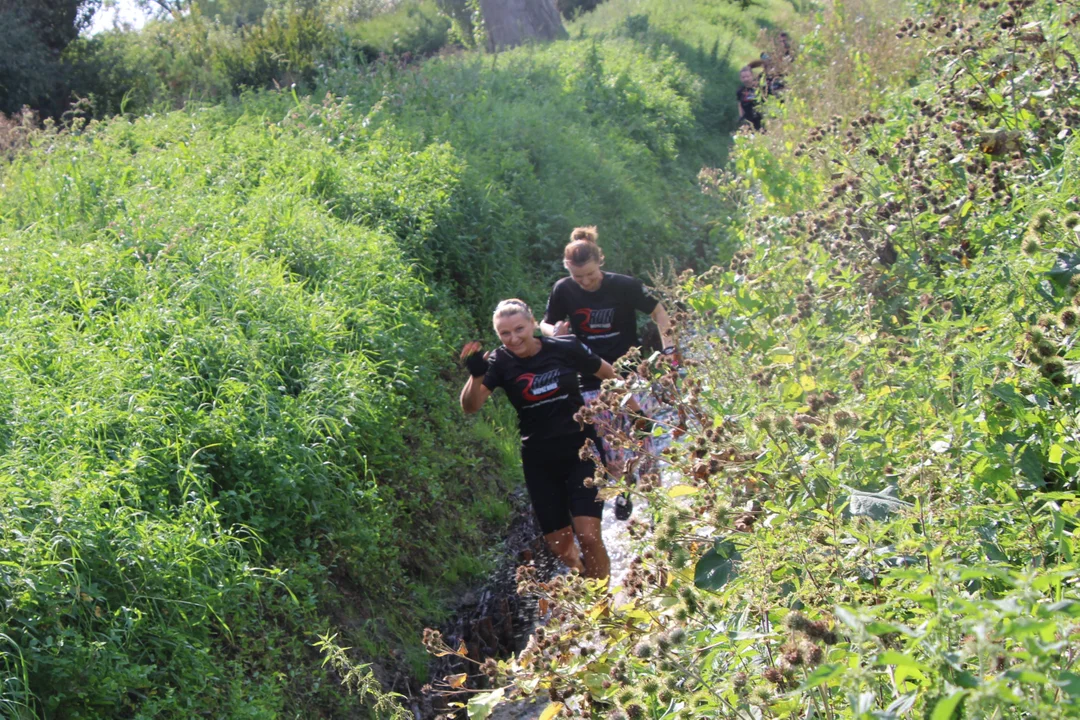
[{"x": 623, "y": 506}]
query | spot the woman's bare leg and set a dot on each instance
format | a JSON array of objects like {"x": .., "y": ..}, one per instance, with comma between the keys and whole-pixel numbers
[
  {"x": 563, "y": 546},
  {"x": 596, "y": 561}
]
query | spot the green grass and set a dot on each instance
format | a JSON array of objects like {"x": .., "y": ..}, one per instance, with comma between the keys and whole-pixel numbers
[{"x": 713, "y": 39}]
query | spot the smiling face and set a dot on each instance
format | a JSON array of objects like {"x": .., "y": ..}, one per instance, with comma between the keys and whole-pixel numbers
[
  {"x": 588, "y": 275},
  {"x": 517, "y": 333}
]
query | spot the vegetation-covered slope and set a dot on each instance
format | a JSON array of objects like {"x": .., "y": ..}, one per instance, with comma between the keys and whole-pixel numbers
[
  {"x": 874, "y": 512},
  {"x": 217, "y": 396},
  {"x": 227, "y": 419}
]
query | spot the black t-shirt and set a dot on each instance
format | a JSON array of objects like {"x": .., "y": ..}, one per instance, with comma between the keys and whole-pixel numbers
[
  {"x": 604, "y": 319},
  {"x": 543, "y": 388},
  {"x": 747, "y": 97}
]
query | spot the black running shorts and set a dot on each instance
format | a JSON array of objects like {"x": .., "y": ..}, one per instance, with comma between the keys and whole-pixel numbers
[{"x": 555, "y": 477}]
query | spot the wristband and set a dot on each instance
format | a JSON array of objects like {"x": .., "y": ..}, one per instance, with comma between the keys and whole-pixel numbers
[{"x": 476, "y": 364}]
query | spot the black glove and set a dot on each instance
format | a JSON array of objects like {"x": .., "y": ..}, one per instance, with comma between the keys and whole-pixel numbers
[{"x": 476, "y": 364}]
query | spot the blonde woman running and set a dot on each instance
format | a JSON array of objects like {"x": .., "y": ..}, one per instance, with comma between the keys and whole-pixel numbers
[{"x": 540, "y": 376}]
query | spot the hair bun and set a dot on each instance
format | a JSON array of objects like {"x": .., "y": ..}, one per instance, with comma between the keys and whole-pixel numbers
[{"x": 587, "y": 234}]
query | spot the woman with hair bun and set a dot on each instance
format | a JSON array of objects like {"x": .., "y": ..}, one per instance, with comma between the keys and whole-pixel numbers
[
  {"x": 600, "y": 309},
  {"x": 540, "y": 376}
]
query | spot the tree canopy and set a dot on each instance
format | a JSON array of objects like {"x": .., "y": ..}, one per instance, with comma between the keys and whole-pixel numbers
[{"x": 33, "y": 34}]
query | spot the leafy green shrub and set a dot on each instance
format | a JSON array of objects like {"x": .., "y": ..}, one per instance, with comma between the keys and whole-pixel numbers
[
  {"x": 203, "y": 58},
  {"x": 33, "y": 33},
  {"x": 466, "y": 17},
  {"x": 286, "y": 47}
]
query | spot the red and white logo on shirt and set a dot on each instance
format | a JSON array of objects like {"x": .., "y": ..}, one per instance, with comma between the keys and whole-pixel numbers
[
  {"x": 596, "y": 321},
  {"x": 538, "y": 387}
]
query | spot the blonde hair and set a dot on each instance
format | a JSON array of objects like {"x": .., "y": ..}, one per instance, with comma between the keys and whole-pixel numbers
[
  {"x": 582, "y": 247},
  {"x": 513, "y": 306}
]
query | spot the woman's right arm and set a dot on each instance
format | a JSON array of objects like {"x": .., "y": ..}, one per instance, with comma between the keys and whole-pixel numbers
[
  {"x": 555, "y": 329},
  {"x": 554, "y": 322},
  {"x": 475, "y": 393}
]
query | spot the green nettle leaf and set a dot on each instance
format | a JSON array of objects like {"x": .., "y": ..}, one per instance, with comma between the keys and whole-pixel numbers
[
  {"x": 948, "y": 707},
  {"x": 876, "y": 506},
  {"x": 1030, "y": 465},
  {"x": 716, "y": 567},
  {"x": 850, "y": 619},
  {"x": 901, "y": 705},
  {"x": 822, "y": 674},
  {"x": 892, "y": 657},
  {"x": 1069, "y": 683},
  {"x": 862, "y": 703},
  {"x": 480, "y": 706},
  {"x": 1028, "y": 676},
  {"x": 1069, "y": 607},
  {"x": 782, "y": 355},
  {"x": 1067, "y": 265},
  {"x": 1007, "y": 394}
]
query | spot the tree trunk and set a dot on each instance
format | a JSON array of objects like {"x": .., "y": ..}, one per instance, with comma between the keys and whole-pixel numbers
[{"x": 512, "y": 22}]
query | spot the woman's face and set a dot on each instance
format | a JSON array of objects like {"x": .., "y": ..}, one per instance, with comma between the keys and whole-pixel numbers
[
  {"x": 747, "y": 77},
  {"x": 516, "y": 331},
  {"x": 588, "y": 276}
]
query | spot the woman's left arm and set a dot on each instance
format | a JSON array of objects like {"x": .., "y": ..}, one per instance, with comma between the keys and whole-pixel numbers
[
  {"x": 663, "y": 324},
  {"x": 606, "y": 372}
]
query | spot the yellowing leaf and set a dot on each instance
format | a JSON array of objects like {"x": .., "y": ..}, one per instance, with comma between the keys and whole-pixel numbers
[
  {"x": 905, "y": 672},
  {"x": 681, "y": 490},
  {"x": 601, "y": 608},
  {"x": 607, "y": 493},
  {"x": 782, "y": 355},
  {"x": 551, "y": 711},
  {"x": 456, "y": 681},
  {"x": 807, "y": 383}
]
